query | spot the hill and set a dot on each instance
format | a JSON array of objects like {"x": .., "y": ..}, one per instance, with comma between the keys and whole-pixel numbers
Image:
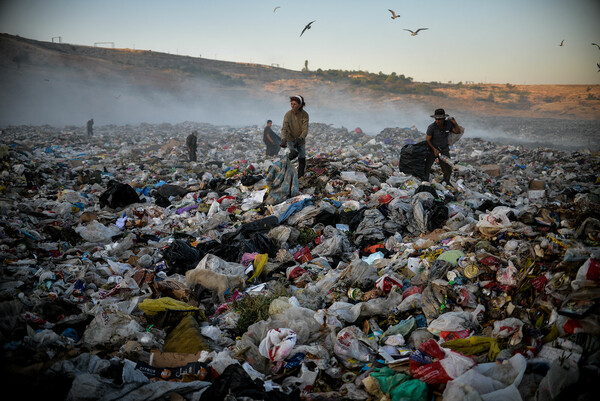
[{"x": 58, "y": 83}]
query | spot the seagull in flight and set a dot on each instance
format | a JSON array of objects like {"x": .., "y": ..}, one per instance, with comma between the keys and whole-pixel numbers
[
  {"x": 275, "y": 9},
  {"x": 594, "y": 44},
  {"x": 307, "y": 27},
  {"x": 394, "y": 15},
  {"x": 562, "y": 43},
  {"x": 415, "y": 32}
]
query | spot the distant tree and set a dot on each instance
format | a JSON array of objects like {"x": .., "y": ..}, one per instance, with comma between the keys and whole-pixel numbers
[{"x": 305, "y": 66}]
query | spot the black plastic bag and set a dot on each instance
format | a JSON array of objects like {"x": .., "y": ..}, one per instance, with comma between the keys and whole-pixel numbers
[
  {"x": 160, "y": 200},
  {"x": 181, "y": 256},
  {"x": 412, "y": 159},
  {"x": 118, "y": 195},
  {"x": 235, "y": 382},
  {"x": 261, "y": 225},
  {"x": 427, "y": 188},
  {"x": 168, "y": 190},
  {"x": 437, "y": 216},
  {"x": 248, "y": 180}
]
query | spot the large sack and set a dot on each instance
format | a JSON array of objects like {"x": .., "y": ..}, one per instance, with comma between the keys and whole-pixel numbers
[{"x": 412, "y": 159}]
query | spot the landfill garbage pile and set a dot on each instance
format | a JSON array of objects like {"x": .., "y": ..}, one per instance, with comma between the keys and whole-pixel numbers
[{"x": 130, "y": 273}]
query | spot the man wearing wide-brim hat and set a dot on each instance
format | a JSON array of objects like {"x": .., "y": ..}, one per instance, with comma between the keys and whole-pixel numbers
[{"x": 437, "y": 138}]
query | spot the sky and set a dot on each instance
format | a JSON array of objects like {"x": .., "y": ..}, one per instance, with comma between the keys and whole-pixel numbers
[{"x": 481, "y": 41}]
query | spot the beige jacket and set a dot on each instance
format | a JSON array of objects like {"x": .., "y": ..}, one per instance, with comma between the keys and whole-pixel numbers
[{"x": 294, "y": 126}]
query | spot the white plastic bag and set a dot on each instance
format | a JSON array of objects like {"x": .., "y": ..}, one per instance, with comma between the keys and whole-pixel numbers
[
  {"x": 490, "y": 224},
  {"x": 492, "y": 381},
  {"x": 354, "y": 176},
  {"x": 277, "y": 344},
  {"x": 353, "y": 347}
]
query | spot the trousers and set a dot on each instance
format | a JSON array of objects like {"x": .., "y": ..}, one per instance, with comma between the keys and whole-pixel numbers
[{"x": 446, "y": 168}]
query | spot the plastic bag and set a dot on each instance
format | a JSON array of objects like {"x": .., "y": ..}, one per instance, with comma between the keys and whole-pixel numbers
[
  {"x": 151, "y": 307},
  {"x": 259, "y": 263},
  {"x": 412, "y": 159},
  {"x": 493, "y": 223},
  {"x": 96, "y": 232},
  {"x": 354, "y": 348},
  {"x": 186, "y": 337},
  {"x": 559, "y": 377},
  {"x": 492, "y": 381},
  {"x": 435, "y": 365},
  {"x": 399, "y": 386},
  {"x": 456, "y": 321},
  {"x": 354, "y": 176},
  {"x": 453, "y": 137},
  {"x": 404, "y": 328},
  {"x": 475, "y": 345},
  {"x": 304, "y": 382},
  {"x": 277, "y": 344},
  {"x": 587, "y": 275},
  {"x": 509, "y": 327}
]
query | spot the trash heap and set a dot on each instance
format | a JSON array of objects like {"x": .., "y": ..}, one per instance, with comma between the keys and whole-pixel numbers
[{"x": 131, "y": 273}]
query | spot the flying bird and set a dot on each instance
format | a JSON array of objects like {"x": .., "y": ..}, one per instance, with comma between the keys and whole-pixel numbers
[
  {"x": 307, "y": 27},
  {"x": 394, "y": 16},
  {"x": 594, "y": 44},
  {"x": 415, "y": 32},
  {"x": 275, "y": 9},
  {"x": 598, "y": 64},
  {"x": 562, "y": 43}
]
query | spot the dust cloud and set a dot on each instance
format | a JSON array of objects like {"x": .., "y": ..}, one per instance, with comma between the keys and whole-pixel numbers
[
  {"x": 58, "y": 100},
  {"x": 55, "y": 98}
]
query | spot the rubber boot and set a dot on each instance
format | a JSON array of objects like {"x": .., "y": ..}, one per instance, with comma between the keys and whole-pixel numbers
[{"x": 301, "y": 167}]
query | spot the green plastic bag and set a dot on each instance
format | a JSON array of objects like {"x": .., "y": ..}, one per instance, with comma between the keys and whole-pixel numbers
[
  {"x": 405, "y": 327},
  {"x": 400, "y": 386}
]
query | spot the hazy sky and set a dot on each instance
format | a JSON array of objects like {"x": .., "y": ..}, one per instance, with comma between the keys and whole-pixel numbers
[{"x": 508, "y": 41}]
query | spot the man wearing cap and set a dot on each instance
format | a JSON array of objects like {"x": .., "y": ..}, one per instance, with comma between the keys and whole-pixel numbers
[
  {"x": 294, "y": 131},
  {"x": 437, "y": 138}
]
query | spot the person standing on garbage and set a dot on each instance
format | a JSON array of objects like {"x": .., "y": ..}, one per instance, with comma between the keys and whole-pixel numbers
[
  {"x": 271, "y": 139},
  {"x": 191, "y": 143},
  {"x": 90, "y": 124},
  {"x": 294, "y": 131},
  {"x": 437, "y": 139}
]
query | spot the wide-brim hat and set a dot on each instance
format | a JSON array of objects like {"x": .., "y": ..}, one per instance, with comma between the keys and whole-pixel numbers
[{"x": 440, "y": 113}]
